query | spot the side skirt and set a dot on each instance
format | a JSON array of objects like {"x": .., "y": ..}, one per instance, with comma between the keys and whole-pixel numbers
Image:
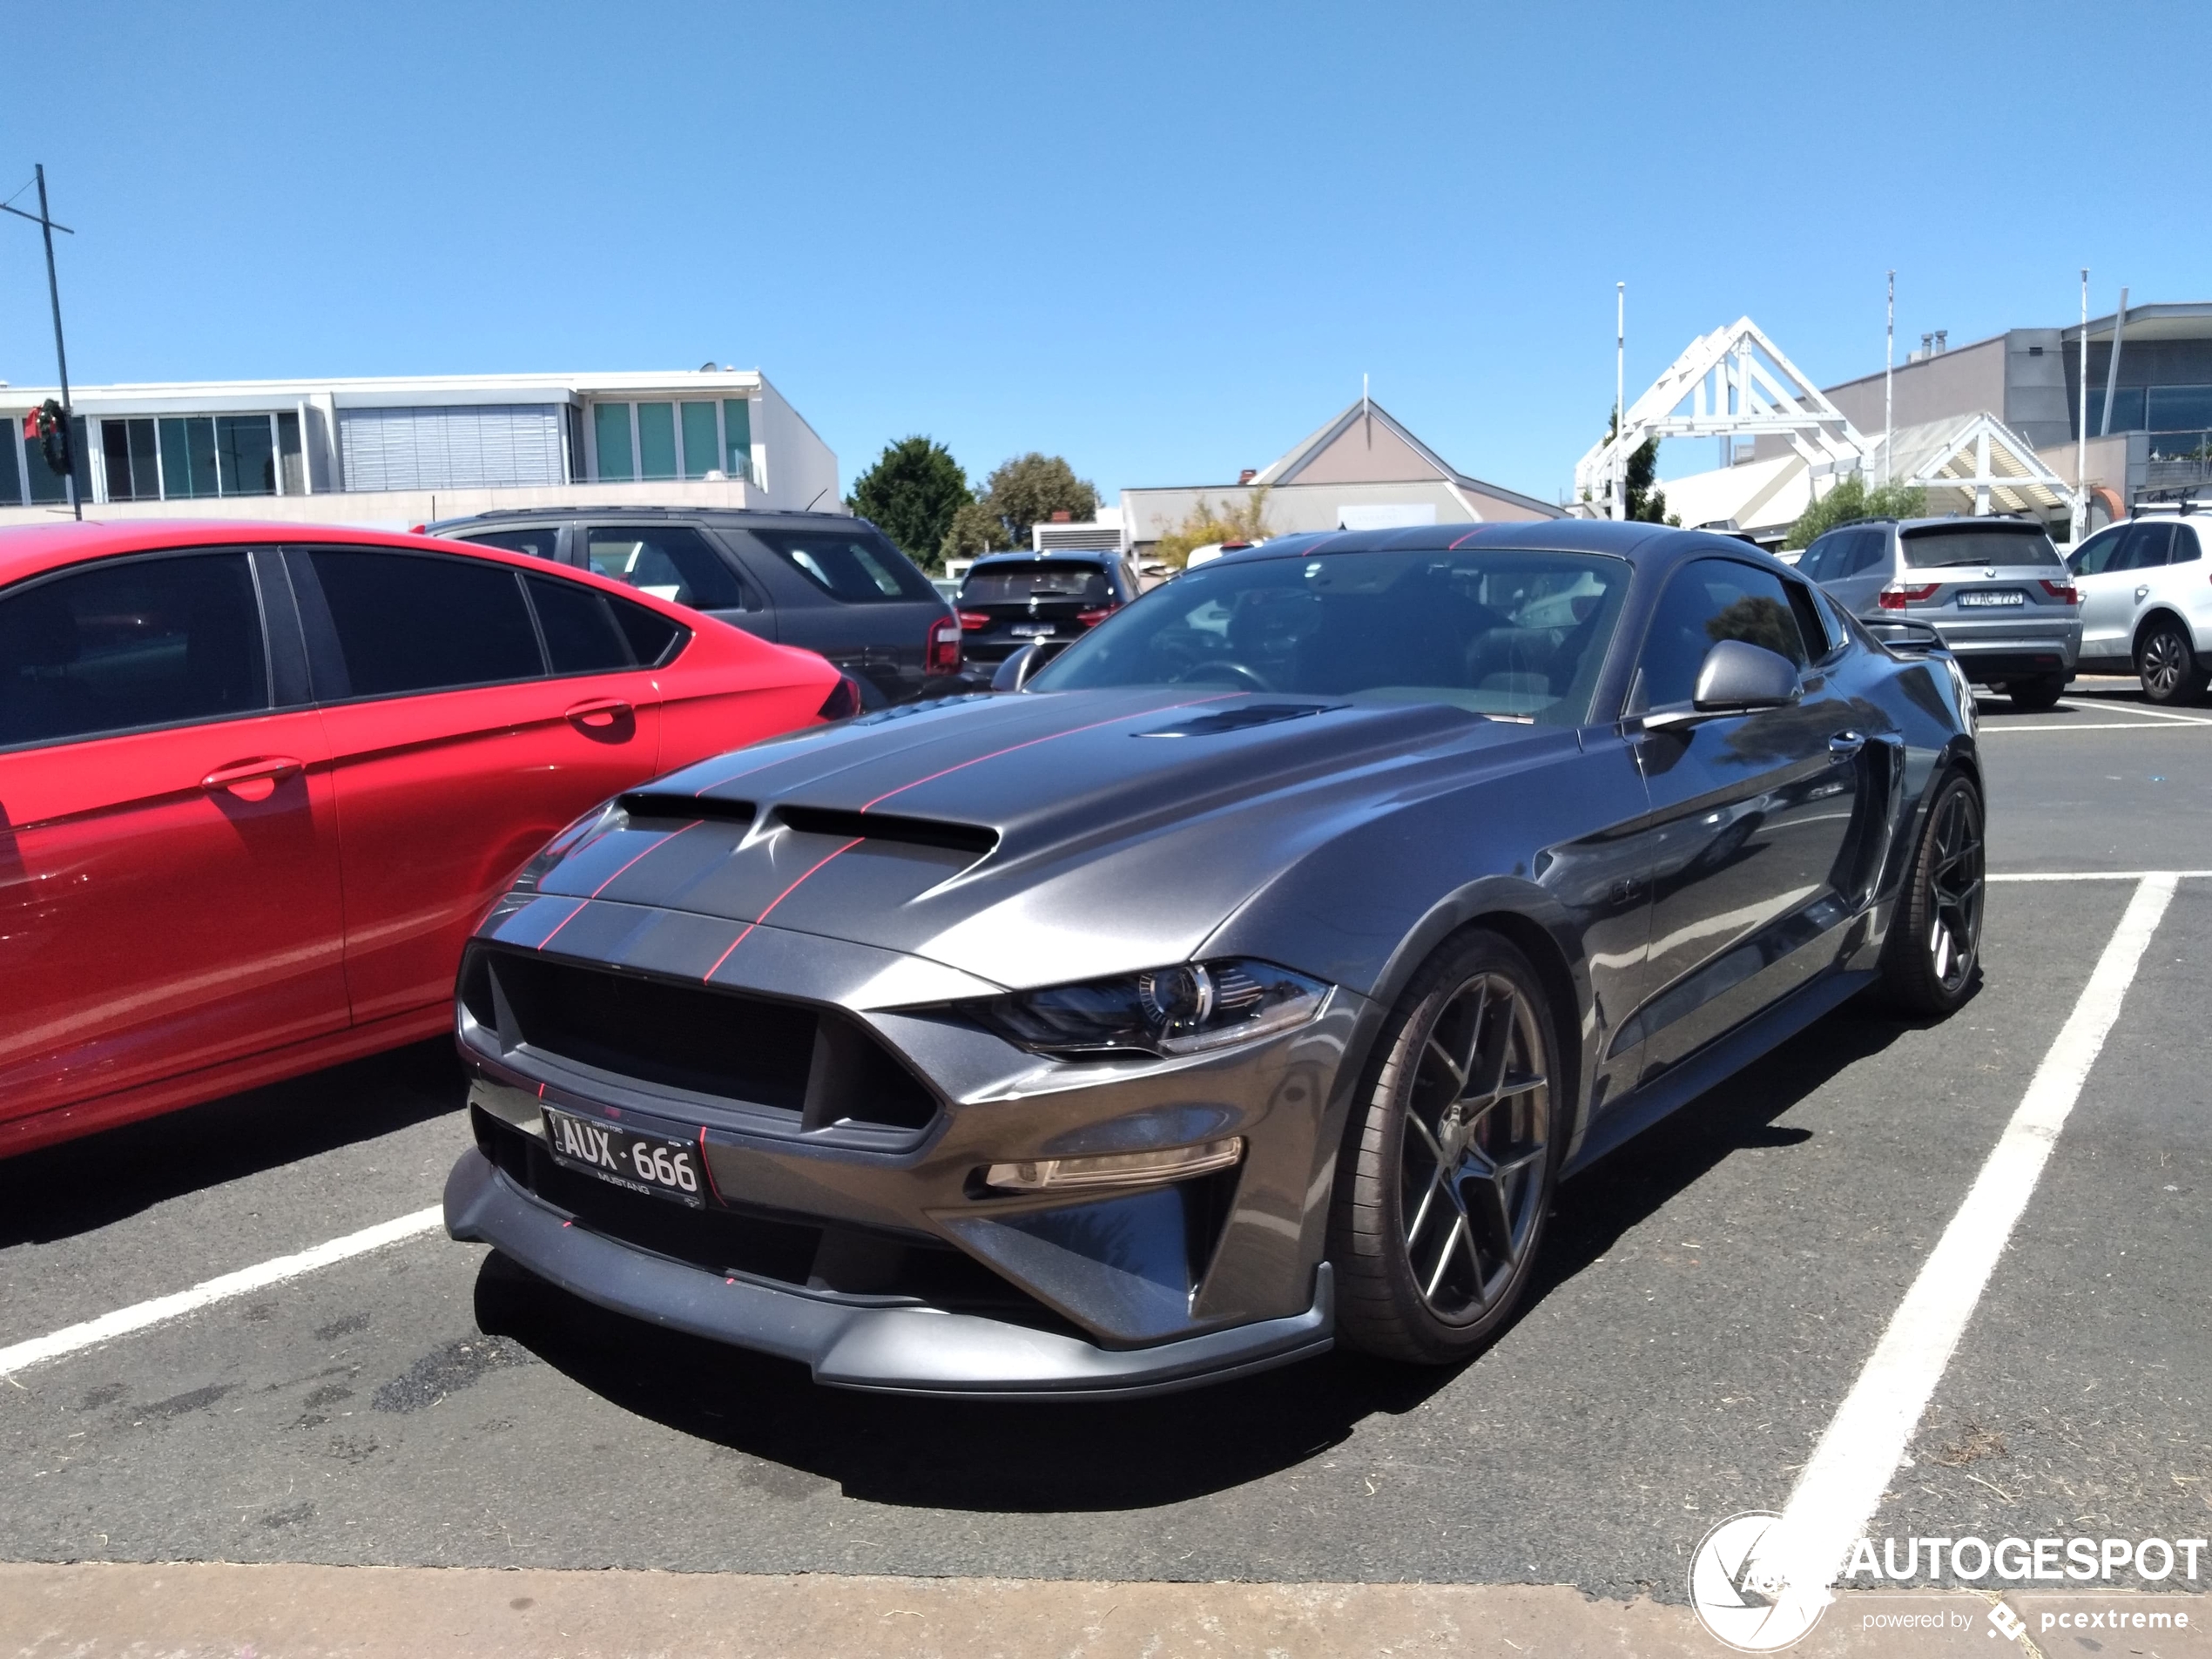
[{"x": 1718, "y": 1061}]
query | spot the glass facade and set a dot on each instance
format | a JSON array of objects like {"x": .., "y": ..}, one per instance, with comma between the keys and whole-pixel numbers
[
  {"x": 610, "y": 429},
  {"x": 701, "y": 448},
  {"x": 736, "y": 438},
  {"x": 657, "y": 440}
]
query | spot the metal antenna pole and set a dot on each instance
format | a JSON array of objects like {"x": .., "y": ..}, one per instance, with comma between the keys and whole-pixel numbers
[
  {"x": 1889, "y": 359},
  {"x": 60, "y": 356},
  {"x": 2082, "y": 444},
  {"x": 1620, "y": 389}
]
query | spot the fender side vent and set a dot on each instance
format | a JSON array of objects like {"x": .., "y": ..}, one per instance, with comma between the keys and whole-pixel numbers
[{"x": 973, "y": 839}]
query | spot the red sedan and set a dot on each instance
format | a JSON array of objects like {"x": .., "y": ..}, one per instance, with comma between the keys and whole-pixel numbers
[{"x": 257, "y": 782}]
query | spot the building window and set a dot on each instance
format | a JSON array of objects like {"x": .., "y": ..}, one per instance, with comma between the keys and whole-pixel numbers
[
  {"x": 610, "y": 426},
  {"x": 134, "y": 467},
  {"x": 47, "y": 486},
  {"x": 180, "y": 457},
  {"x": 670, "y": 440},
  {"x": 657, "y": 440}
]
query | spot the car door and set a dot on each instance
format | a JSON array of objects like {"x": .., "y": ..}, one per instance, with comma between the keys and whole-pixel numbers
[
  {"x": 169, "y": 861},
  {"x": 677, "y": 561},
  {"x": 2103, "y": 570},
  {"x": 1752, "y": 814},
  {"x": 458, "y": 749}
]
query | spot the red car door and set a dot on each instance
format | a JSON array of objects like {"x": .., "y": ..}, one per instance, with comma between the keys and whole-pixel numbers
[
  {"x": 168, "y": 841},
  {"x": 472, "y": 712}
]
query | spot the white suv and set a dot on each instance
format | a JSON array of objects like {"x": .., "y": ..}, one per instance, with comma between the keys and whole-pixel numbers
[{"x": 2146, "y": 604}]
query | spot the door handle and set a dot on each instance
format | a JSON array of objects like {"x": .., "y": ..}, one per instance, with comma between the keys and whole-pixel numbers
[
  {"x": 1844, "y": 745},
  {"x": 252, "y": 779},
  {"x": 599, "y": 713}
]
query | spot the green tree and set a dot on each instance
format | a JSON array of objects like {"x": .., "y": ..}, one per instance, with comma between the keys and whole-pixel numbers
[
  {"x": 1028, "y": 489},
  {"x": 975, "y": 529},
  {"x": 1646, "y": 502},
  {"x": 1206, "y": 526},
  {"x": 1849, "y": 498},
  {"x": 913, "y": 494}
]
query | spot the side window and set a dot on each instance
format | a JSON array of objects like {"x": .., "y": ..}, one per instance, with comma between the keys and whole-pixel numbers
[
  {"x": 859, "y": 567},
  {"x": 581, "y": 636},
  {"x": 1824, "y": 553},
  {"x": 2094, "y": 556},
  {"x": 668, "y": 562},
  {"x": 543, "y": 542},
  {"x": 128, "y": 645},
  {"x": 2149, "y": 546},
  {"x": 1812, "y": 628},
  {"x": 1707, "y": 601},
  {"x": 653, "y": 638},
  {"x": 415, "y": 622},
  {"x": 2188, "y": 543},
  {"x": 1866, "y": 550}
]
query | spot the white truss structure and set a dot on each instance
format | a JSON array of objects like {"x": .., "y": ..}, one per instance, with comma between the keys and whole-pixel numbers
[
  {"x": 1737, "y": 383},
  {"x": 1980, "y": 457}
]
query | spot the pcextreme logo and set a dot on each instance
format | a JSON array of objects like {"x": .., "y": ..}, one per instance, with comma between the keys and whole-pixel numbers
[{"x": 1740, "y": 1597}]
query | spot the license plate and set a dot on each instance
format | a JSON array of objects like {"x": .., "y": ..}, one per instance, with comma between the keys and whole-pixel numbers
[
  {"x": 1992, "y": 596},
  {"x": 1030, "y": 630},
  {"x": 651, "y": 1163}
]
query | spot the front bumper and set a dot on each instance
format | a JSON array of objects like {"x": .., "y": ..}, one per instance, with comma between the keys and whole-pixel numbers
[{"x": 896, "y": 1349}]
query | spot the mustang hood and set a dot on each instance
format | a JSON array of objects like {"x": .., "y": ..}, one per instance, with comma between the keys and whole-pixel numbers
[{"x": 1028, "y": 839}]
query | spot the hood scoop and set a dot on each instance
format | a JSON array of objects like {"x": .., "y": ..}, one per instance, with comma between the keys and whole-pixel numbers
[
  {"x": 1228, "y": 720},
  {"x": 975, "y": 839},
  {"x": 681, "y": 808}
]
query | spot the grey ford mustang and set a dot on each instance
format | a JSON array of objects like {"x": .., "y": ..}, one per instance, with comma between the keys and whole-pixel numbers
[{"x": 1244, "y": 984}]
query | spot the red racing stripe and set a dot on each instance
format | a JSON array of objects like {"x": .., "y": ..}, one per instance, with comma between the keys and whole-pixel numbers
[
  {"x": 772, "y": 903},
  {"x": 664, "y": 842}
]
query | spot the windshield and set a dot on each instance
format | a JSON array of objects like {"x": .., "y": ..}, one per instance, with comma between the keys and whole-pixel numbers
[
  {"x": 1493, "y": 630},
  {"x": 1014, "y": 584},
  {"x": 1934, "y": 549}
]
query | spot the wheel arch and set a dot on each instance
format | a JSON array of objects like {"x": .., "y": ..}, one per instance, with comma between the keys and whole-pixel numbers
[{"x": 2163, "y": 610}]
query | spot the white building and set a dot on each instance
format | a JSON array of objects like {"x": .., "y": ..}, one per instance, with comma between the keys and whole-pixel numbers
[{"x": 399, "y": 451}]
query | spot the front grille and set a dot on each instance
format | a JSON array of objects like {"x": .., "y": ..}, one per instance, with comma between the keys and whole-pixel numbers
[
  {"x": 784, "y": 1064},
  {"x": 836, "y": 1263}
]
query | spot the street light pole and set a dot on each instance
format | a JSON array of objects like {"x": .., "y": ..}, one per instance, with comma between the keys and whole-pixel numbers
[
  {"x": 1888, "y": 360},
  {"x": 1620, "y": 388},
  {"x": 47, "y": 228},
  {"x": 2081, "y": 442}
]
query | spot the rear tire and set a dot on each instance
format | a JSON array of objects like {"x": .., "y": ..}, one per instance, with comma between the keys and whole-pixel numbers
[
  {"x": 1450, "y": 1159},
  {"x": 2032, "y": 696},
  {"x": 2167, "y": 666},
  {"x": 1935, "y": 938}
]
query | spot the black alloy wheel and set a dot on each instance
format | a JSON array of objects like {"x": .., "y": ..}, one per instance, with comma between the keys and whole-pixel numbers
[
  {"x": 2167, "y": 664},
  {"x": 1451, "y": 1159},
  {"x": 1934, "y": 945},
  {"x": 2033, "y": 696}
]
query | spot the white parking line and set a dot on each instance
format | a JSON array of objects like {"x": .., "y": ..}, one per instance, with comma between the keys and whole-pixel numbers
[
  {"x": 70, "y": 1339},
  {"x": 1841, "y": 1487},
  {"x": 1989, "y": 730},
  {"x": 2151, "y": 714},
  {"x": 2106, "y": 875}
]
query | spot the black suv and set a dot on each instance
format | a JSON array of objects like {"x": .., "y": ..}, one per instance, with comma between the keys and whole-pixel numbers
[
  {"x": 1008, "y": 600},
  {"x": 823, "y": 581}
]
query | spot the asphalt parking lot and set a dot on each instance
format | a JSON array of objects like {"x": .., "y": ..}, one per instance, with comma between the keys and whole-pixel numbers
[{"x": 1708, "y": 1299}]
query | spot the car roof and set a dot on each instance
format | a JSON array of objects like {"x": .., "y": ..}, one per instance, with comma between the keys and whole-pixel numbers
[
  {"x": 32, "y": 550},
  {"x": 1058, "y": 555},
  {"x": 1643, "y": 544},
  {"x": 795, "y": 517}
]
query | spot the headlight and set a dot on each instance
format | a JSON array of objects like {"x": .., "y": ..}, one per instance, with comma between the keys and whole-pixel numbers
[
  {"x": 1181, "y": 1009},
  {"x": 600, "y": 820}
]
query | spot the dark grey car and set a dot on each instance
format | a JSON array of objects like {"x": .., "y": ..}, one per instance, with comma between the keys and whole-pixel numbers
[
  {"x": 1245, "y": 984},
  {"x": 1994, "y": 589},
  {"x": 823, "y": 581}
]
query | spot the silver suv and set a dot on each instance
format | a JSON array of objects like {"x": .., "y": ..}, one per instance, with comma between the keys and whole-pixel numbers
[{"x": 1994, "y": 589}]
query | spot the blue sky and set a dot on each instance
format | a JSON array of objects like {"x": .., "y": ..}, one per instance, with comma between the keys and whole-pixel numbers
[{"x": 1164, "y": 240}]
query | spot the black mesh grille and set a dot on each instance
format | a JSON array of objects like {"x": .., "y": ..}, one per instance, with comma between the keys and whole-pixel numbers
[{"x": 814, "y": 1068}]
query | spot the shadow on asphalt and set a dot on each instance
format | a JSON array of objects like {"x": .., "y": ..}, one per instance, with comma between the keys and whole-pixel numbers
[
  {"x": 60, "y": 1191},
  {"x": 1032, "y": 1459}
]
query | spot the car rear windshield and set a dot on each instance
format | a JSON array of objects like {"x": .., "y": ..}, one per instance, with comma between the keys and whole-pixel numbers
[
  {"x": 856, "y": 567},
  {"x": 1935, "y": 548},
  {"x": 1014, "y": 584},
  {"x": 1493, "y": 630}
]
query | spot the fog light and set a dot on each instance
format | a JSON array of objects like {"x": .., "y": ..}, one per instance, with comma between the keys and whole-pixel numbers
[{"x": 1115, "y": 1168}]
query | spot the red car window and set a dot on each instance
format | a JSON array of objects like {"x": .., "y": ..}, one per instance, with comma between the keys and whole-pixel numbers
[{"x": 413, "y": 622}]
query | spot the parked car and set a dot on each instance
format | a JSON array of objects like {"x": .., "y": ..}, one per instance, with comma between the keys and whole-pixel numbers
[
  {"x": 1010, "y": 600},
  {"x": 257, "y": 782},
  {"x": 2146, "y": 604},
  {"x": 1994, "y": 589},
  {"x": 1246, "y": 984},
  {"x": 822, "y": 581}
]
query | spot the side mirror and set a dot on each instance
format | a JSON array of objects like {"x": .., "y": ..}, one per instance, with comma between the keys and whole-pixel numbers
[
  {"x": 1735, "y": 678},
  {"x": 1017, "y": 671}
]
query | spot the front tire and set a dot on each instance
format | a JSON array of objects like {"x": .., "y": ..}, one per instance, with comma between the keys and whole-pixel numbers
[
  {"x": 2034, "y": 695},
  {"x": 1935, "y": 938},
  {"x": 1451, "y": 1158},
  {"x": 2167, "y": 666}
]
